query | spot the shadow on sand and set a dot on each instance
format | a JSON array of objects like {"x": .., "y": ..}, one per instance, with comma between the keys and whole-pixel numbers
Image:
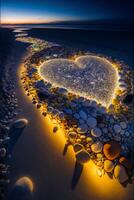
[
  {"x": 14, "y": 134},
  {"x": 76, "y": 174}
]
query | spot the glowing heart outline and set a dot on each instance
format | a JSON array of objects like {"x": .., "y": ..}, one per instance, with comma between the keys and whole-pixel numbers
[{"x": 107, "y": 75}]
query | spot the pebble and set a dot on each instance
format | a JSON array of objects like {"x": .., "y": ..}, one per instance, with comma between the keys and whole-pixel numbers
[
  {"x": 20, "y": 123},
  {"x": 97, "y": 147},
  {"x": 112, "y": 150},
  {"x": 108, "y": 166},
  {"x": 123, "y": 161},
  {"x": 82, "y": 156},
  {"x": 123, "y": 125},
  {"x": 77, "y": 147},
  {"x": 96, "y": 132},
  {"x": 83, "y": 115},
  {"x": 117, "y": 128},
  {"x": 83, "y": 127},
  {"x": 120, "y": 173},
  {"x": 91, "y": 122}
]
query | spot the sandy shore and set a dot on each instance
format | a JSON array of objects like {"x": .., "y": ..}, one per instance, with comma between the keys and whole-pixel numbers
[{"x": 39, "y": 155}]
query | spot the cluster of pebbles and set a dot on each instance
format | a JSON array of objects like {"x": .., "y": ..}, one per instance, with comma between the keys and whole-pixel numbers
[
  {"x": 9, "y": 109},
  {"x": 102, "y": 134}
]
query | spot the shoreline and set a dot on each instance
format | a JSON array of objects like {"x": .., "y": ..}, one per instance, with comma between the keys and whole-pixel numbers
[{"x": 39, "y": 154}]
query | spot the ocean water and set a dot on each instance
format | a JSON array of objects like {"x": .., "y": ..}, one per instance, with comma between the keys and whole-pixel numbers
[{"x": 115, "y": 44}]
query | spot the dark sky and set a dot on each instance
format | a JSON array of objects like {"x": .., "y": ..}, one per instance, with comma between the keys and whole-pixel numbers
[{"x": 56, "y": 10}]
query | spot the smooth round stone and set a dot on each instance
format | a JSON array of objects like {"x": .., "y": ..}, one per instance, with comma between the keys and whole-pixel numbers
[
  {"x": 108, "y": 166},
  {"x": 127, "y": 133},
  {"x": 91, "y": 122},
  {"x": 76, "y": 116},
  {"x": 23, "y": 189},
  {"x": 72, "y": 135},
  {"x": 112, "y": 150},
  {"x": 122, "y": 132},
  {"x": 83, "y": 127},
  {"x": 125, "y": 163},
  {"x": 77, "y": 147},
  {"x": 117, "y": 128},
  {"x": 20, "y": 123},
  {"x": 123, "y": 125},
  {"x": 97, "y": 147},
  {"x": 102, "y": 110},
  {"x": 2, "y": 152},
  {"x": 105, "y": 130},
  {"x": 120, "y": 173},
  {"x": 100, "y": 164},
  {"x": 89, "y": 140},
  {"x": 83, "y": 115},
  {"x": 96, "y": 132},
  {"x": 82, "y": 156}
]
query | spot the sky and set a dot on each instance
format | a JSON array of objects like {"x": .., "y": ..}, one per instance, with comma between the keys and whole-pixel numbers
[{"x": 44, "y": 11}]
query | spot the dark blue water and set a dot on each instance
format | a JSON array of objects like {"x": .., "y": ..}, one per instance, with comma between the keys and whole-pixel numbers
[{"x": 116, "y": 44}]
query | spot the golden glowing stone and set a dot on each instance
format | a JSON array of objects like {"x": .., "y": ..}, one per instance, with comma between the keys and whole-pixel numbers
[{"x": 89, "y": 76}]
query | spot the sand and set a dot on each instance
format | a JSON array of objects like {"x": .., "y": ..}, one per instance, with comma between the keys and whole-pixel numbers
[{"x": 38, "y": 154}]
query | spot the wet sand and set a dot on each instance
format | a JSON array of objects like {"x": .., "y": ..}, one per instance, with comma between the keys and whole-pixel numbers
[{"x": 39, "y": 155}]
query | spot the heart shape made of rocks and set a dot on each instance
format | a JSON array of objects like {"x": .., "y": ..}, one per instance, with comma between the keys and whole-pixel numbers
[{"x": 89, "y": 76}]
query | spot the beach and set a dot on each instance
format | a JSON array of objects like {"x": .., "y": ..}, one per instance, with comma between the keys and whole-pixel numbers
[{"x": 38, "y": 153}]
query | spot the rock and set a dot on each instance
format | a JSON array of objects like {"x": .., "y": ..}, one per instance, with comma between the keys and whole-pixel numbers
[
  {"x": 76, "y": 116},
  {"x": 127, "y": 133},
  {"x": 108, "y": 166},
  {"x": 91, "y": 122},
  {"x": 96, "y": 132},
  {"x": 23, "y": 188},
  {"x": 55, "y": 129},
  {"x": 120, "y": 173},
  {"x": 97, "y": 147},
  {"x": 82, "y": 156},
  {"x": 83, "y": 127},
  {"x": 102, "y": 110},
  {"x": 123, "y": 125},
  {"x": 62, "y": 91},
  {"x": 117, "y": 128},
  {"x": 89, "y": 140},
  {"x": 20, "y": 123},
  {"x": 112, "y": 150},
  {"x": 99, "y": 164},
  {"x": 123, "y": 161},
  {"x": 2, "y": 152},
  {"x": 72, "y": 135},
  {"x": 77, "y": 147},
  {"x": 83, "y": 115}
]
